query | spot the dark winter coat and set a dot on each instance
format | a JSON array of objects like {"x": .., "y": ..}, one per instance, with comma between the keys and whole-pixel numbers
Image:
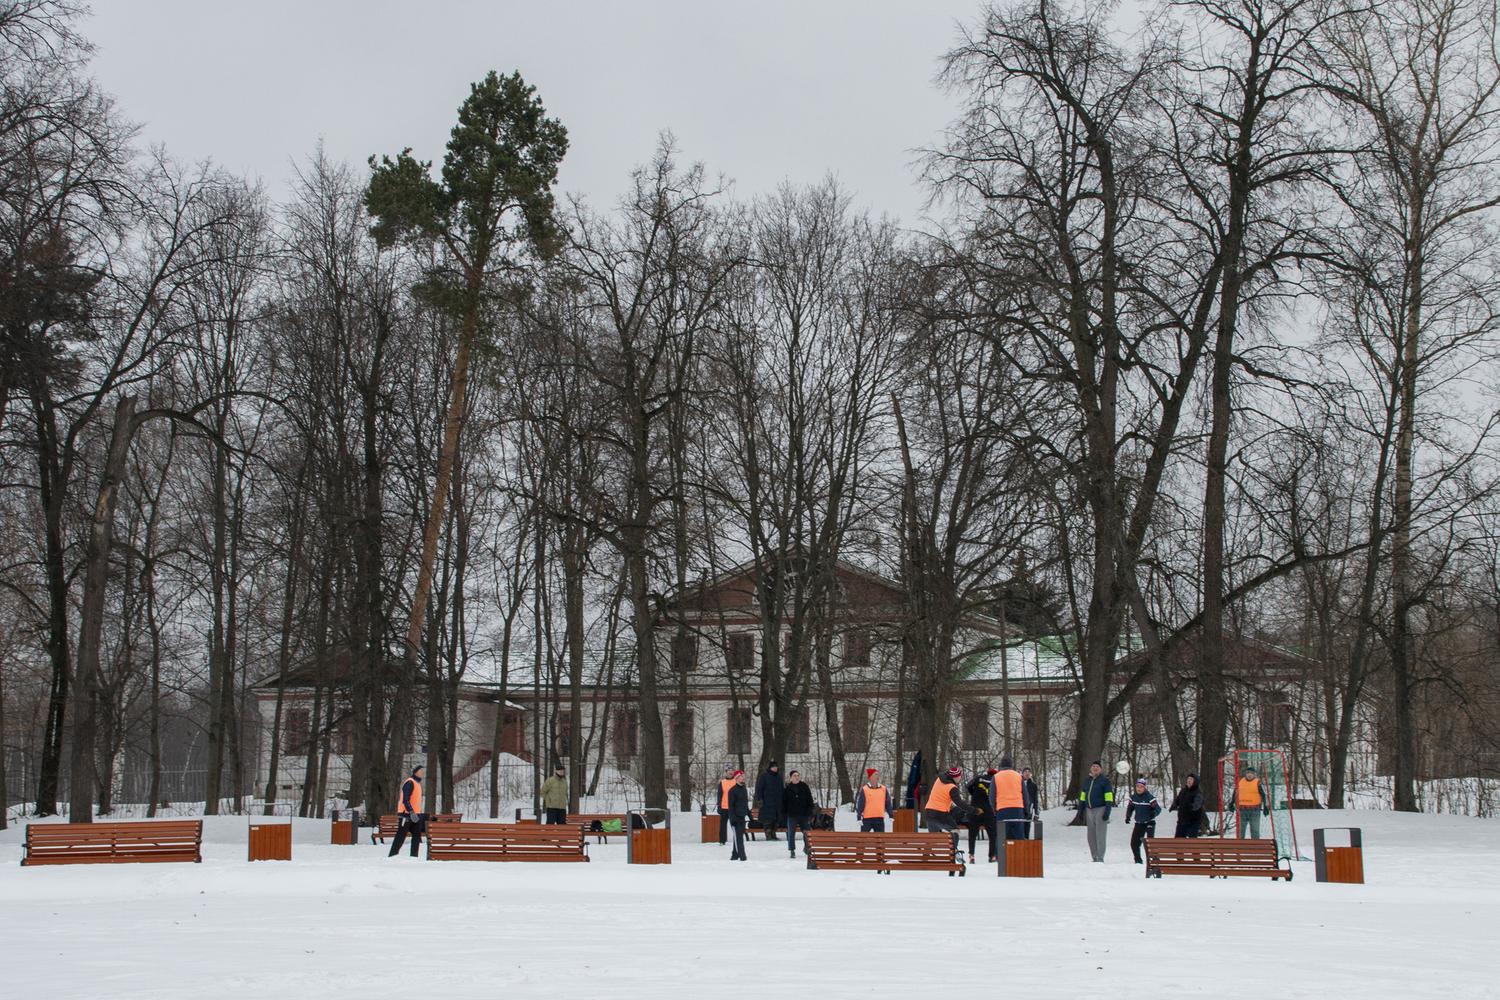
[
  {"x": 1033, "y": 802},
  {"x": 739, "y": 804},
  {"x": 1097, "y": 793},
  {"x": 797, "y": 801},
  {"x": 1188, "y": 802},
  {"x": 981, "y": 796},
  {"x": 768, "y": 792},
  {"x": 1143, "y": 808}
]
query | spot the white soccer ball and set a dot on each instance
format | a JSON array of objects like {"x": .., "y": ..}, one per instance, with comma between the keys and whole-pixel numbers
[{"x": 1123, "y": 767}]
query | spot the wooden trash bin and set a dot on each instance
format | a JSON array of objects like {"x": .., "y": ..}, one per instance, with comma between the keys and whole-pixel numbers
[
  {"x": 270, "y": 842},
  {"x": 1339, "y": 864},
  {"x": 650, "y": 847},
  {"x": 341, "y": 831},
  {"x": 905, "y": 821},
  {"x": 710, "y": 828},
  {"x": 1019, "y": 858}
]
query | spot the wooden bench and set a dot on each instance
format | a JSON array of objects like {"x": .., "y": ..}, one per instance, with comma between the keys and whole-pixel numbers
[
  {"x": 586, "y": 822},
  {"x": 1216, "y": 857},
  {"x": 505, "y": 842},
  {"x": 883, "y": 852},
  {"x": 391, "y": 822},
  {"x": 113, "y": 843}
]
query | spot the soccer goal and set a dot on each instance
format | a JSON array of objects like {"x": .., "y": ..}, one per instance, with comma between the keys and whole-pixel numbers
[{"x": 1270, "y": 766}]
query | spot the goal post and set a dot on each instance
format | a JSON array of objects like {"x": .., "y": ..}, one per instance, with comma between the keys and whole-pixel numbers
[{"x": 1271, "y": 767}]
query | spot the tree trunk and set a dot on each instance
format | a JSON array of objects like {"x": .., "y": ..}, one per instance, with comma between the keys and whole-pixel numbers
[{"x": 51, "y": 488}]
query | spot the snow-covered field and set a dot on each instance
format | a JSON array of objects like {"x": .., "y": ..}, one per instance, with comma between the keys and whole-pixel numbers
[{"x": 349, "y": 922}]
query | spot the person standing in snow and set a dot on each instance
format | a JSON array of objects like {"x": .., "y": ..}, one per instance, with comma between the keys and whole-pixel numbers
[
  {"x": 725, "y": 784},
  {"x": 555, "y": 796},
  {"x": 409, "y": 809},
  {"x": 1010, "y": 800},
  {"x": 981, "y": 791},
  {"x": 1251, "y": 803},
  {"x": 1033, "y": 804},
  {"x": 1142, "y": 810},
  {"x": 872, "y": 803},
  {"x": 768, "y": 791},
  {"x": 944, "y": 804},
  {"x": 797, "y": 806},
  {"x": 739, "y": 813},
  {"x": 1188, "y": 805},
  {"x": 1096, "y": 798}
]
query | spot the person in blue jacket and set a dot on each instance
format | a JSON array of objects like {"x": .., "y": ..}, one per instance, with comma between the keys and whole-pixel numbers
[
  {"x": 1142, "y": 810},
  {"x": 1096, "y": 797}
]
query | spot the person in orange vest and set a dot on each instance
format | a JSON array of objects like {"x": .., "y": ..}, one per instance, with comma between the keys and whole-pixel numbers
[
  {"x": 872, "y": 803},
  {"x": 1010, "y": 800},
  {"x": 1251, "y": 803},
  {"x": 739, "y": 814},
  {"x": 725, "y": 784},
  {"x": 409, "y": 808},
  {"x": 944, "y": 803}
]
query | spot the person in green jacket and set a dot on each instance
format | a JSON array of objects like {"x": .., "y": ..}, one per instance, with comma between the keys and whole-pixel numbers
[{"x": 555, "y": 796}]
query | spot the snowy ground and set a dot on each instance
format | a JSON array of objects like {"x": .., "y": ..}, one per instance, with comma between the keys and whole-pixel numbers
[{"x": 348, "y": 922}]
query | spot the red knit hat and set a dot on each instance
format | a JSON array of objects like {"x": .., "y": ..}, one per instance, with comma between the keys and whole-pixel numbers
[
  {"x": 955, "y": 772},
  {"x": 992, "y": 770},
  {"x": 870, "y": 772},
  {"x": 738, "y": 774}
]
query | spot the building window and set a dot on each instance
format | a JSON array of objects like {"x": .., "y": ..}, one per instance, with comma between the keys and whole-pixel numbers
[
  {"x": 682, "y": 732},
  {"x": 626, "y": 736},
  {"x": 741, "y": 654},
  {"x": 857, "y": 650},
  {"x": 799, "y": 739},
  {"x": 684, "y": 652},
  {"x": 1145, "y": 722},
  {"x": 739, "y": 730},
  {"x": 1275, "y": 718},
  {"x": 294, "y": 730},
  {"x": 975, "y": 717},
  {"x": 856, "y": 728},
  {"x": 1035, "y": 724}
]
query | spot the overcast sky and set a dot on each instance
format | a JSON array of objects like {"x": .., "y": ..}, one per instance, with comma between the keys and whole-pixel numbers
[{"x": 760, "y": 92}]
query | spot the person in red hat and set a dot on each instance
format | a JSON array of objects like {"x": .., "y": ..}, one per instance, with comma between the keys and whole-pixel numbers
[
  {"x": 872, "y": 803},
  {"x": 945, "y": 805},
  {"x": 739, "y": 814}
]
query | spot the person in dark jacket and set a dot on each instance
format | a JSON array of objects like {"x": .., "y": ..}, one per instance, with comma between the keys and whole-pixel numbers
[
  {"x": 739, "y": 814},
  {"x": 1033, "y": 804},
  {"x": 410, "y": 809},
  {"x": 797, "y": 806},
  {"x": 1096, "y": 797},
  {"x": 768, "y": 799},
  {"x": 982, "y": 798},
  {"x": 1188, "y": 805},
  {"x": 1142, "y": 810}
]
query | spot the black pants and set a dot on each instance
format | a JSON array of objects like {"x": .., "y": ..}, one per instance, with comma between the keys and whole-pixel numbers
[
  {"x": 986, "y": 823},
  {"x": 723, "y": 826},
  {"x": 556, "y": 817},
  {"x": 412, "y": 826},
  {"x": 739, "y": 841},
  {"x": 769, "y": 821},
  {"x": 1188, "y": 827},
  {"x": 793, "y": 824},
  {"x": 1140, "y": 833},
  {"x": 872, "y": 824}
]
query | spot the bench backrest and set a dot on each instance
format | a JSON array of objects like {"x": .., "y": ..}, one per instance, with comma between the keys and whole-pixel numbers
[
  {"x": 78, "y": 843},
  {"x": 827, "y": 845},
  {"x": 454, "y": 841},
  {"x": 1212, "y": 851}
]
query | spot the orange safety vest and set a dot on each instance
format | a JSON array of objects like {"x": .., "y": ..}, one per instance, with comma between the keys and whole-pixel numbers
[
  {"x": 416, "y": 796},
  {"x": 1248, "y": 796},
  {"x": 874, "y": 802},
  {"x": 1008, "y": 794},
  {"x": 725, "y": 784},
  {"x": 941, "y": 798}
]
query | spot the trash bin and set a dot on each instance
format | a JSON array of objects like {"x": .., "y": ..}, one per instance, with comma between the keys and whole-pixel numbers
[
  {"x": 710, "y": 831},
  {"x": 1339, "y": 864},
  {"x": 1019, "y": 858},
  {"x": 650, "y": 847},
  {"x": 270, "y": 842},
  {"x": 905, "y": 821},
  {"x": 346, "y": 830}
]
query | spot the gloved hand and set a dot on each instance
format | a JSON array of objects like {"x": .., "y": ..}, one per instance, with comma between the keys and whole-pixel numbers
[{"x": 1265, "y": 810}]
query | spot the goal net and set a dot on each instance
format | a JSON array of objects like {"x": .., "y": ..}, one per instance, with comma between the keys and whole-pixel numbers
[{"x": 1270, "y": 767}]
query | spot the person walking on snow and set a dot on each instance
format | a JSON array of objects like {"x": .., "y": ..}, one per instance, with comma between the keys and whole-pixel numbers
[
  {"x": 1033, "y": 804},
  {"x": 944, "y": 803},
  {"x": 1188, "y": 805},
  {"x": 872, "y": 803},
  {"x": 725, "y": 784},
  {"x": 768, "y": 798},
  {"x": 409, "y": 809},
  {"x": 1143, "y": 810},
  {"x": 981, "y": 789},
  {"x": 797, "y": 806},
  {"x": 555, "y": 796},
  {"x": 1250, "y": 802},
  {"x": 738, "y": 810},
  {"x": 1096, "y": 798}
]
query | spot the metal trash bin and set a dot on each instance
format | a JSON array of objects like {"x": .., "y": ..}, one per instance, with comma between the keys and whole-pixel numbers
[{"x": 1339, "y": 864}]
